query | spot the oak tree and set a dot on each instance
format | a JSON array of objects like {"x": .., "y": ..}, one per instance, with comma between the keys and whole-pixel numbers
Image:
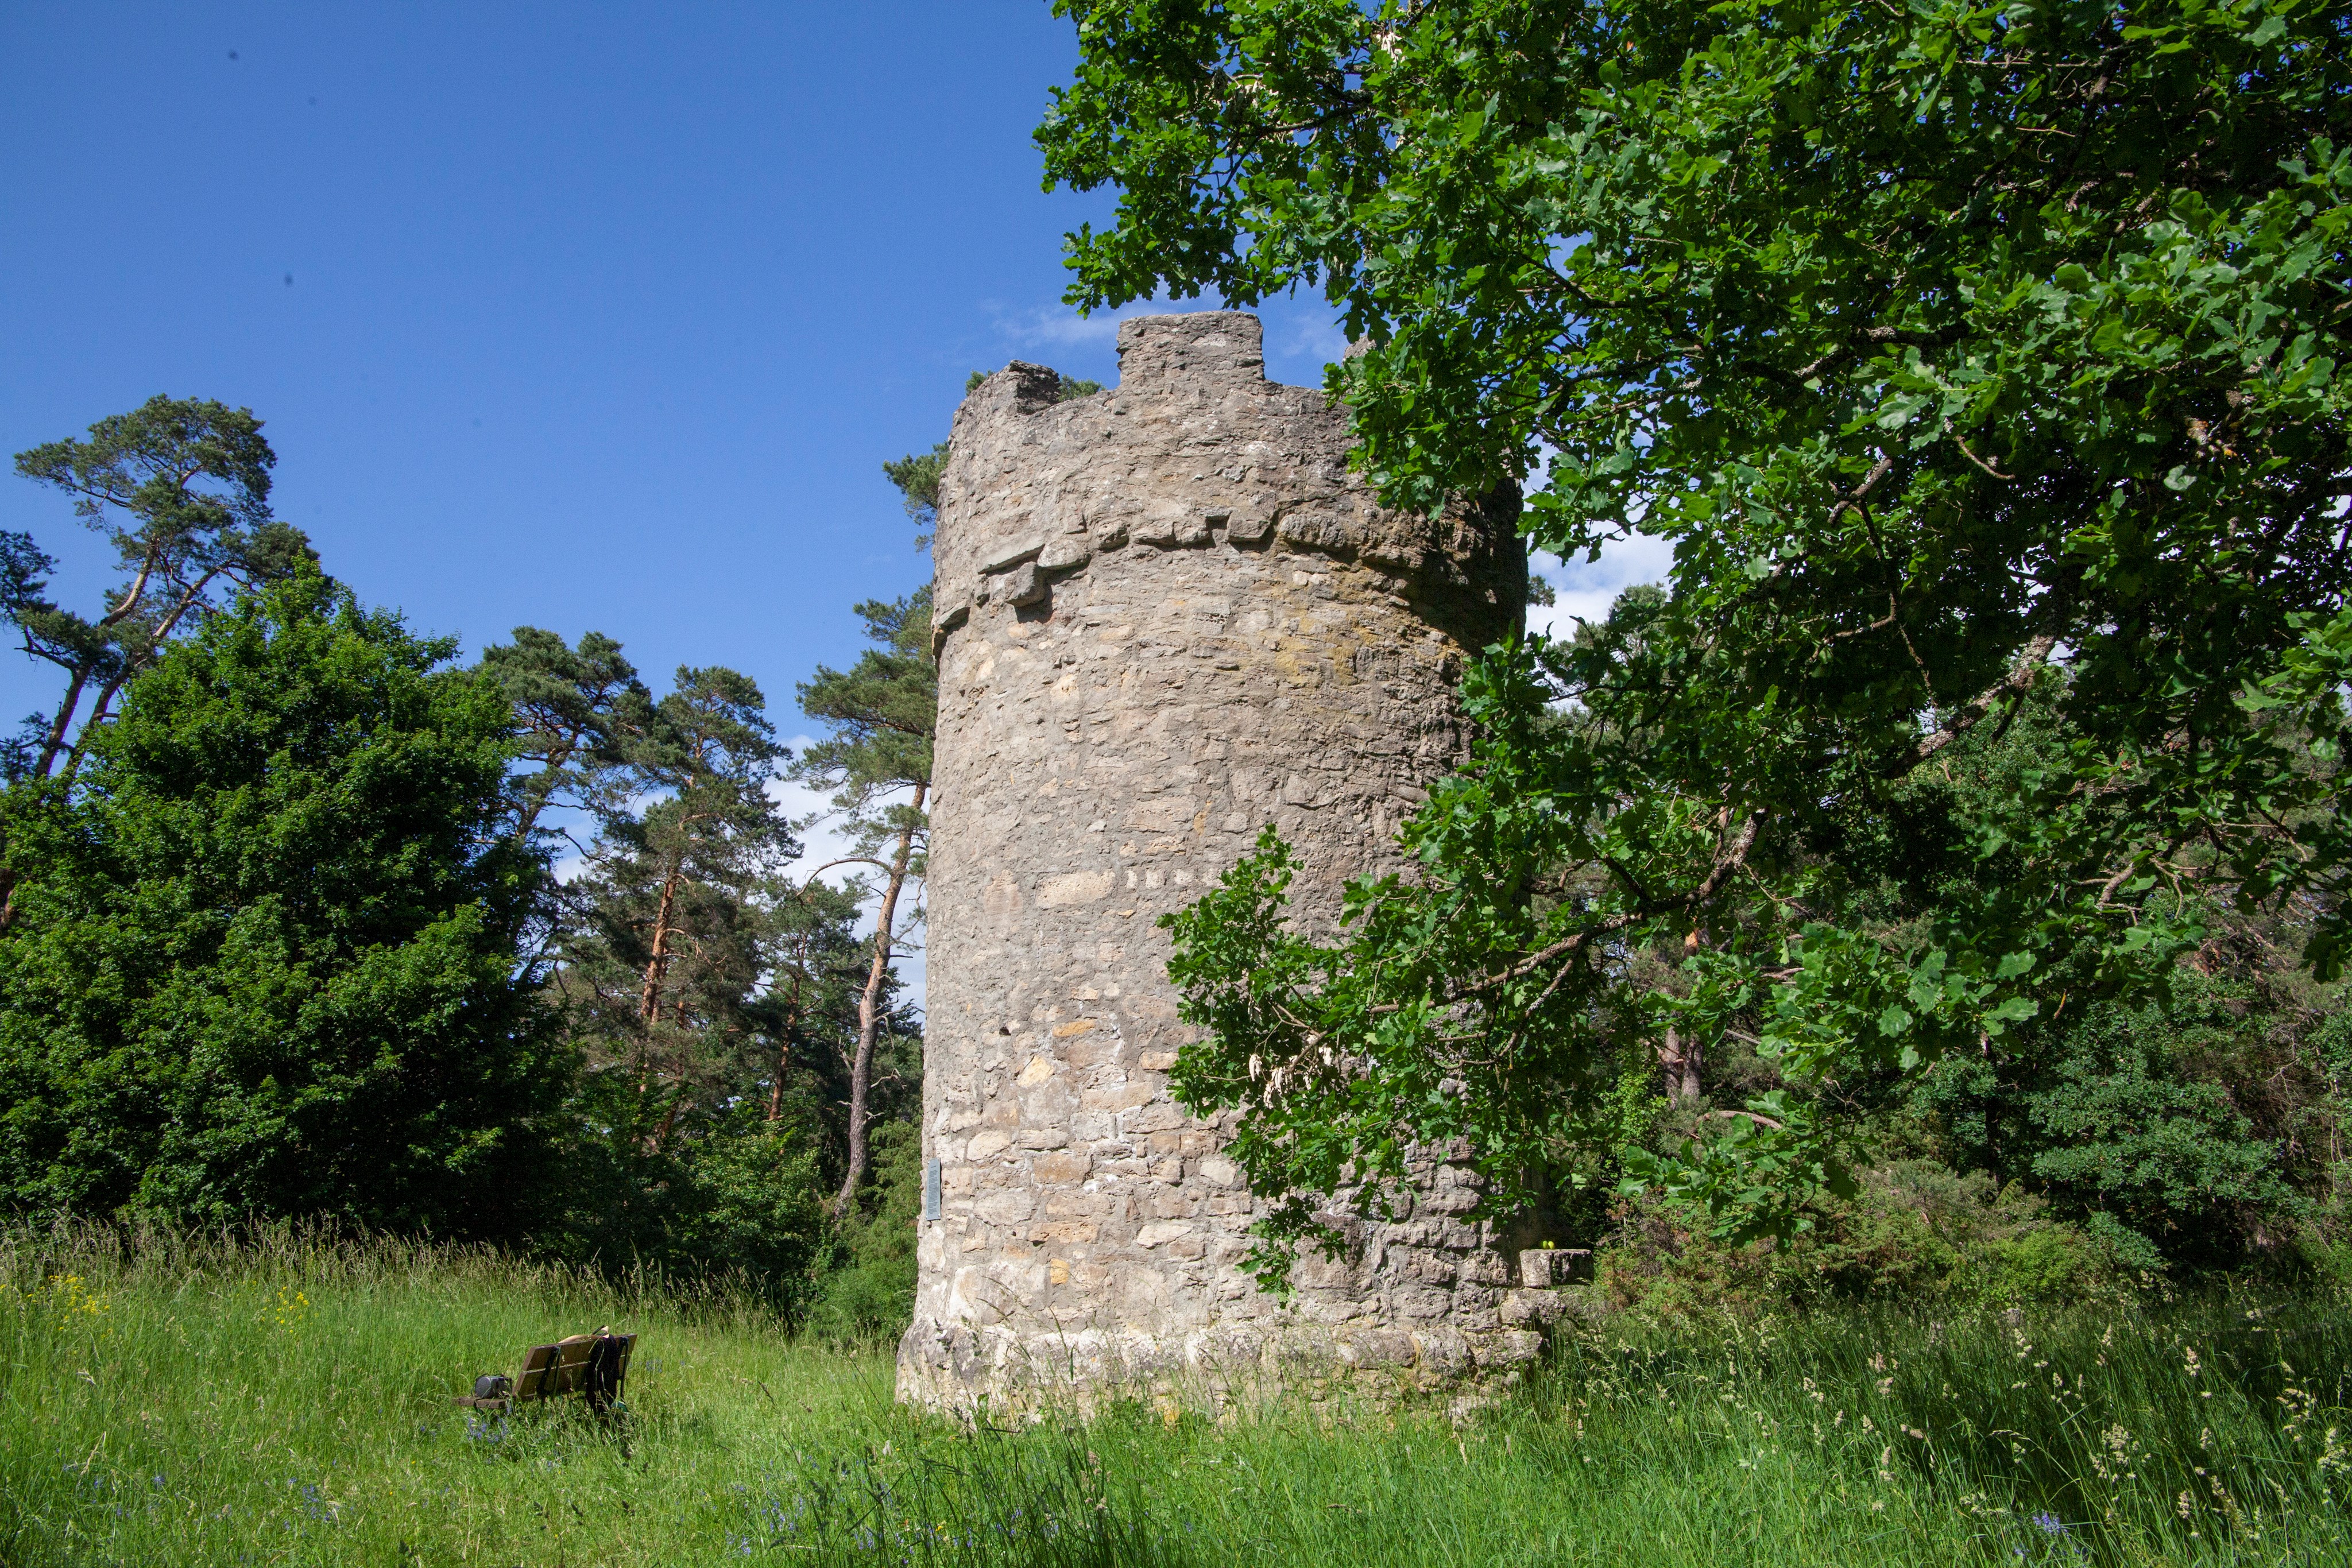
[{"x": 1970, "y": 355}]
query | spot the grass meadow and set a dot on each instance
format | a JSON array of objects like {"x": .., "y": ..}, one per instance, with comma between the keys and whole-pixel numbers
[{"x": 288, "y": 1400}]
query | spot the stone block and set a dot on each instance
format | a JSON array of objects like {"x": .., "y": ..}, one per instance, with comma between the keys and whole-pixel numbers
[
  {"x": 1065, "y": 552},
  {"x": 1056, "y": 1170},
  {"x": 1442, "y": 1351},
  {"x": 1075, "y": 887},
  {"x": 1511, "y": 1347},
  {"x": 1125, "y": 1097},
  {"x": 1532, "y": 1309},
  {"x": 1008, "y": 1206},
  {"x": 1543, "y": 1267},
  {"x": 1011, "y": 553},
  {"x": 1219, "y": 1171},
  {"x": 1160, "y": 1116},
  {"x": 1022, "y": 586},
  {"x": 1488, "y": 1267},
  {"x": 1375, "y": 1347}
]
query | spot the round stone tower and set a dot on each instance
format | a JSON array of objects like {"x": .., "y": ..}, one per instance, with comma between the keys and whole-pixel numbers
[{"x": 1167, "y": 615}]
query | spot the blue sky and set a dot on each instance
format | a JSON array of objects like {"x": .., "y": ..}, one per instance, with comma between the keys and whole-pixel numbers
[
  {"x": 599, "y": 315},
  {"x": 581, "y": 316}
]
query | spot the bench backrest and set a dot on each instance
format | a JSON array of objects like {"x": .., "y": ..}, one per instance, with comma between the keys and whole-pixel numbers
[{"x": 596, "y": 1364}]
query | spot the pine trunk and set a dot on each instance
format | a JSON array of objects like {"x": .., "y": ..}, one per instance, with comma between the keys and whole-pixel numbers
[
  {"x": 784, "y": 1053},
  {"x": 55, "y": 740},
  {"x": 649, "y": 1002},
  {"x": 869, "y": 1013}
]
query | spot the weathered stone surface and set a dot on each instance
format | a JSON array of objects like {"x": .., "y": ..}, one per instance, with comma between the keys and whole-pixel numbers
[
  {"x": 1539, "y": 1267},
  {"x": 1169, "y": 614}
]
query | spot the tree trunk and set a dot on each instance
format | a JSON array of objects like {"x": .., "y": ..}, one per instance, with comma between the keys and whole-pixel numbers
[
  {"x": 649, "y": 1001},
  {"x": 784, "y": 1053},
  {"x": 869, "y": 1014},
  {"x": 1680, "y": 1059},
  {"x": 98, "y": 716},
  {"x": 56, "y": 736},
  {"x": 676, "y": 1104},
  {"x": 649, "y": 1004}
]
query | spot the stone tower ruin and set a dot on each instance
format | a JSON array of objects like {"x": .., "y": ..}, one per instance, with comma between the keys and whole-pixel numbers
[{"x": 1167, "y": 614}]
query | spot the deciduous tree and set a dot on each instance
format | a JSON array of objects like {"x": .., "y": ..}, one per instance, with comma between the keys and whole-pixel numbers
[{"x": 1969, "y": 354}]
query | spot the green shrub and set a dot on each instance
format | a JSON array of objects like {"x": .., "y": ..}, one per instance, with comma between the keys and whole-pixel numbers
[
  {"x": 868, "y": 1293},
  {"x": 1915, "y": 1231}
]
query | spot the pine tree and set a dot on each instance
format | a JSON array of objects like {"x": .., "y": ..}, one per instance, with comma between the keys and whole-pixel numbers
[
  {"x": 882, "y": 712},
  {"x": 180, "y": 488},
  {"x": 579, "y": 709},
  {"x": 660, "y": 968}
]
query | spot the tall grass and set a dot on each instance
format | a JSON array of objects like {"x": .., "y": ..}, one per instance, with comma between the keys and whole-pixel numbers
[{"x": 285, "y": 1397}]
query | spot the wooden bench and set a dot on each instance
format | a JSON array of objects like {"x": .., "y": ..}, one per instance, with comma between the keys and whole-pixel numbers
[{"x": 593, "y": 1364}]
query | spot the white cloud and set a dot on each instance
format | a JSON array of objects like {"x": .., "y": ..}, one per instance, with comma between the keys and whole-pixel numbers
[
  {"x": 823, "y": 841},
  {"x": 1059, "y": 327},
  {"x": 1585, "y": 589}
]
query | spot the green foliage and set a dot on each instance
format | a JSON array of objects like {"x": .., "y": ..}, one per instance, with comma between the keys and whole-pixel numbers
[
  {"x": 867, "y": 1292},
  {"x": 2131, "y": 1114},
  {"x": 1972, "y": 357},
  {"x": 917, "y": 475},
  {"x": 1913, "y": 1231},
  {"x": 709, "y": 997},
  {"x": 880, "y": 714},
  {"x": 579, "y": 709},
  {"x": 262, "y": 961},
  {"x": 729, "y": 1196}
]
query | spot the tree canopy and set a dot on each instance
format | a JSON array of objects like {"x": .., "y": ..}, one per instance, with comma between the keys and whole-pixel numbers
[
  {"x": 263, "y": 960},
  {"x": 1977, "y": 360},
  {"x": 180, "y": 488}
]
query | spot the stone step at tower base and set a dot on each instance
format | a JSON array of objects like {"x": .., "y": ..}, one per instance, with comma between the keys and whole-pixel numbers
[{"x": 1169, "y": 614}]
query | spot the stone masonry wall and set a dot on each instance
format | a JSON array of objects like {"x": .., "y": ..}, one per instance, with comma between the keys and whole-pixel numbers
[{"x": 1167, "y": 614}]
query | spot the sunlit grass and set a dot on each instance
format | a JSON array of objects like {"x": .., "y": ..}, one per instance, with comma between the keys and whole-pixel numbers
[{"x": 289, "y": 1400}]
